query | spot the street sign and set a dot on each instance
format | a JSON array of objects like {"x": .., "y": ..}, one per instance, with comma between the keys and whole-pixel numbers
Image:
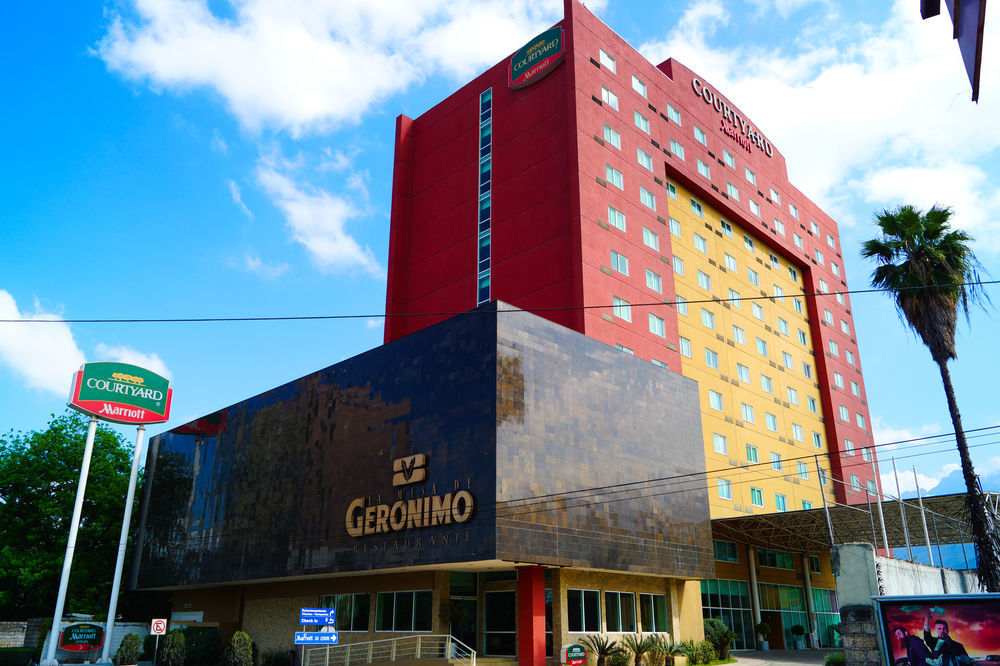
[
  {"x": 158, "y": 627},
  {"x": 315, "y": 638},
  {"x": 573, "y": 655},
  {"x": 317, "y": 615},
  {"x": 81, "y": 637}
]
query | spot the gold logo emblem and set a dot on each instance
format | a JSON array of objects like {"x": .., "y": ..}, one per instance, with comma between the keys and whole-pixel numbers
[{"x": 411, "y": 469}]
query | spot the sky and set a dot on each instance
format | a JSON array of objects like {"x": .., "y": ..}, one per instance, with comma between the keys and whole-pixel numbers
[{"x": 205, "y": 158}]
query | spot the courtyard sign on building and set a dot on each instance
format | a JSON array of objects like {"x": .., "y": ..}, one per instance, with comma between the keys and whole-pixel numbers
[
  {"x": 121, "y": 393},
  {"x": 537, "y": 58}
]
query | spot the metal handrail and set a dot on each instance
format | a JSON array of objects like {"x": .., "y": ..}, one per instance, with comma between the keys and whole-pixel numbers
[{"x": 422, "y": 646}]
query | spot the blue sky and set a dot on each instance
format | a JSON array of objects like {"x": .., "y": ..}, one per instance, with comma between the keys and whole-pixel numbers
[{"x": 168, "y": 158}]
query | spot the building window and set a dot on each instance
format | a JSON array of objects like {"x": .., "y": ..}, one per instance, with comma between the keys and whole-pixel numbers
[
  {"x": 797, "y": 240},
  {"x": 733, "y": 191},
  {"x": 612, "y": 137},
  {"x": 775, "y": 197},
  {"x": 739, "y": 335},
  {"x": 793, "y": 396},
  {"x": 743, "y": 372},
  {"x": 619, "y": 262},
  {"x": 608, "y": 61},
  {"x": 773, "y": 258},
  {"x": 620, "y": 610},
  {"x": 819, "y": 256},
  {"x": 814, "y": 564},
  {"x": 771, "y": 422},
  {"x": 817, "y": 439},
  {"x": 844, "y": 328},
  {"x": 499, "y": 624},
  {"x": 403, "y": 611},
  {"x": 776, "y": 559},
  {"x": 622, "y": 308},
  {"x": 704, "y": 170},
  {"x": 725, "y": 489},
  {"x": 609, "y": 98},
  {"x": 806, "y": 505},
  {"x": 761, "y": 347},
  {"x": 656, "y": 326},
  {"x": 727, "y": 228},
  {"x": 653, "y": 612},
  {"x": 793, "y": 211},
  {"x": 748, "y": 414},
  {"x": 627, "y": 350},
  {"x": 855, "y": 483},
  {"x": 700, "y": 136},
  {"x": 725, "y": 551},
  {"x": 704, "y": 281},
  {"x": 671, "y": 190},
  {"x": 779, "y": 226},
  {"x": 751, "y": 176},
  {"x": 758, "y": 311},
  {"x": 697, "y": 209},
  {"x": 849, "y": 355},
  {"x": 583, "y": 610},
  {"x": 807, "y": 370},
  {"x": 352, "y": 610},
  {"x": 860, "y": 420},
  {"x": 700, "y": 243},
  {"x": 727, "y": 157},
  {"x": 797, "y": 303},
  {"x": 834, "y": 348},
  {"x": 797, "y": 433},
  {"x": 682, "y": 305},
  {"x": 848, "y": 447},
  {"x": 715, "y": 400},
  {"x": 647, "y": 198},
  {"x": 644, "y": 158},
  {"x": 614, "y": 176},
  {"x": 779, "y": 502},
  {"x": 654, "y": 282},
  {"x": 814, "y": 227},
  {"x": 748, "y": 242},
  {"x": 650, "y": 239},
  {"x": 754, "y": 207},
  {"x": 641, "y": 121},
  {"x": 835, "y": 268},
  {"x": 616, "y": 218},
  {"x": 838, "y": 380},
  {"x": 752, "y": 454},
  {"x": 712, "y": 359},
  {"x": 782, "y": 326},
  {"x": 638, "y": 85},
  {"x": 872, "y": 488},
  {"x": 757, "y": 497},
  {"x": 707, "y": 319},
  {"x": 734, "y": 297},
  {"x": 831, "y": 242},
  {"x": 753, "y": 277},
  {"x": 803, "y": 470},
  {"x": 677, "y": 149},
  {"x": 730, "y": 261},
  {"x": 856, "y": 389},
  {"x": 803, "y": 340},
  {"x": 766, "y": 384},
  {"x": 678, "y": 265},
  {"x": 779, "y": 294},
  {"x": 685, "y": 347},
  {"x": 673, "y": 114},
  {"x": 787, "y": 359},
  {"x": 827, "y": 316},
  {"x": 675, "y": 227},
  {"x": 776, "y": 461},
  {"x": 844, "y": 414}
]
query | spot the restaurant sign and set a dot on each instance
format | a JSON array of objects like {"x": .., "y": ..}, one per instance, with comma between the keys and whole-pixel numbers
[
  {"x": 537, "y": 58},
  {"x": 121, "y": 393}
]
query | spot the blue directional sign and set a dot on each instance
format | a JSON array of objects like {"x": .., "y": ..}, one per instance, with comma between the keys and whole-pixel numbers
[
  {"x": 315, "y": 638},
  {"x": 317, "y": 615}
]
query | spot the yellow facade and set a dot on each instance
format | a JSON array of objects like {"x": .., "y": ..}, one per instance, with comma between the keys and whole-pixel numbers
[{"x": 729, "y": 317}]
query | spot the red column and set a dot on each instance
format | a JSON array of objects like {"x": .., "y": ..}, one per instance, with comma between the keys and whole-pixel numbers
[{"x": 531, "y": 616}]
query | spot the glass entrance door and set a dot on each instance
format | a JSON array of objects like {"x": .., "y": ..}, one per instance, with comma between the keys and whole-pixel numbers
[{"x": 463, "y": 620}]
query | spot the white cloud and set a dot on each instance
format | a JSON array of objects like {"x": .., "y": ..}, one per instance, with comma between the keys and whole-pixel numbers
[
  {"x": 862, "y": 103},
  {"x": 123, "y": 354},
  {"x": 219, "y": 144},
  {"x": 907, "y": 484},
  {"x": 374, "y": 322},
  {"x": 305, "y": 65},
  {"x": 886, "y": 435},
  {"x": 317, "y": 219},
  {"x": 45, "y": 356},
  {"x": 254, "y": 264},
  {"x": 237, "y": 196}
]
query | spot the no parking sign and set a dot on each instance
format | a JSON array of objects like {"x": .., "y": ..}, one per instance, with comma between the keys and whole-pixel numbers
[{"x": 158, "y": 627}]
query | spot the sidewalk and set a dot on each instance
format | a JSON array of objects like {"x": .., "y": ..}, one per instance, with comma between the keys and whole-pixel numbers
[{"x": 782, "y": 657}]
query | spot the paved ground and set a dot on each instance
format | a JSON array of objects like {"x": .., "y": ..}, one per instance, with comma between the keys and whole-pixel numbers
[{"x": 782, "y": 657}]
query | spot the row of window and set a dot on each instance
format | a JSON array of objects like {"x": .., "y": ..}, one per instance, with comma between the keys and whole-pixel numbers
[
  {"x": 727, "y": 551},
  {"x": 583, "y": 612},
  {"x": 757, "y": 496},
  {"x": 394, "y": 611},
  {"x": 485, "y": 197}
]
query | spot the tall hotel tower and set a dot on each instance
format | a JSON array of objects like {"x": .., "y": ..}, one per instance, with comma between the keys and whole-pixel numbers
[{"x": 637, "y": 204}]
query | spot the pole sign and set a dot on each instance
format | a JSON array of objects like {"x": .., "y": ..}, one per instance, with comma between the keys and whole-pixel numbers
[
  {"x": 158, "y": 627},
  {"x": 121, "y": 393},
  {"x": 537, "y": 58},
  {"x": 317, "y": 616},
  {"x": 315, "y": 638},
  {"x": 573, "y": 655},
  {"x": 81, "y": 637}
]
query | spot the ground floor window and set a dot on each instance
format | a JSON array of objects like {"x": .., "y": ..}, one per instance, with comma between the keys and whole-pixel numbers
[
  {"x": 790, "y": 601},
  {"x": 729, "y": 601},
  {"x": 403, "y": 611},
  {"x": 583, "y": 610},
  {"x": 499, "y": 626},
  {"x": 653, "y": 612},
  {"x": 352, "y": 610},
  {"x": 826, "y": 606},
  {"x": 620, "y": 611}
]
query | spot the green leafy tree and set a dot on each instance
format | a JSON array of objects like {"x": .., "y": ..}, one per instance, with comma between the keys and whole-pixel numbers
[
  {"x": 931, "y": 272},
  {"x": 39, "y": 473},
  {"x": 239, "y": 652}
]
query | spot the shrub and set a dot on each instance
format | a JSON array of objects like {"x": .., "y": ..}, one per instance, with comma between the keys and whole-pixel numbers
[
  {"x": 705, "y": 652},
  {"x": 798, "y": 630},
  {"x": 17, "y": 656},
  {"x": 148, "y": 648},
  {"x": 276, "y": 658},
  {"x": 202, "y": 646},
  {"x": 172, "y": 651},
  {"x": 239, "y": 652},
  {"x": 835, "y": 659},
  {"x": 128, "y": 651},
  {"x": 620, "y": 658},
  {"x": 719, "y": 635},
  {"x": 763, "y": 628}
]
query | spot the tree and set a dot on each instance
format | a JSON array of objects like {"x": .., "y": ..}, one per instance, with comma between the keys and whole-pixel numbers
[
  {"x": 39, "y": 473},
  {"x": 931, "y": 272}
]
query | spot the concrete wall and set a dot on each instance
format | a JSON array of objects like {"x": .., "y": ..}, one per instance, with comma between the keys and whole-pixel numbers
[{"x": 861, "y": 575}]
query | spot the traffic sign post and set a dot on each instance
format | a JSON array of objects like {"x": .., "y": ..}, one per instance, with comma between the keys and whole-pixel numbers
[
  {"x": 325, "y": 616},
  {"x": 157, "y": 627},
  {"x": 316, "y": 638}
]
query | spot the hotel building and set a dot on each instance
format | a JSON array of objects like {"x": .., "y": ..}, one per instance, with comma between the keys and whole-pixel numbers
[{"x": 518, "y": 483}]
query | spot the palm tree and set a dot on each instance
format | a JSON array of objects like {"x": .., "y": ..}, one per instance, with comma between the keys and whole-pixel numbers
[
  {"x": 931, "y": 272},
  {"x": 601, "y": 646},
  {"x": 638, "y": 645}
]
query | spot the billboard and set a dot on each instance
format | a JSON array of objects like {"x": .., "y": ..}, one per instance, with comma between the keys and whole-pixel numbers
[
  {"x": 121, "y": 393},
  {"x": 942, "y": 630}
]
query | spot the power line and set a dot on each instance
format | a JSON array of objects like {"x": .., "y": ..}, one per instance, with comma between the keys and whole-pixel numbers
[{"x": 451, "y": 313}]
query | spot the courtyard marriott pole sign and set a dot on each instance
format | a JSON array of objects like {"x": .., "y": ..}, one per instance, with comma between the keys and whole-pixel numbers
[{"x": 121, "y": 393}]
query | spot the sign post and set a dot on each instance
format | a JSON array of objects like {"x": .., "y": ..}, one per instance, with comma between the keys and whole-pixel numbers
[
  {"x": 327, "y": 617},
  {"x": 157, "y": 627}
]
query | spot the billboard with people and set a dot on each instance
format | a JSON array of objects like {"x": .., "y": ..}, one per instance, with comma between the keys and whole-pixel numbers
[{"x": 945, "y": 630}]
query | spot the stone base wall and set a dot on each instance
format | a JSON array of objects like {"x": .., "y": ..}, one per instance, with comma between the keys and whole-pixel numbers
[
  {"x": 859, "y": 630},
  {"x": 21, "y": 633}
]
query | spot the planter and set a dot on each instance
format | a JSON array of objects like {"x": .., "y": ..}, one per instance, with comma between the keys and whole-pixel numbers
[
  {"x": 800, "y": 643},
  {"x": 764, "y": 646}
]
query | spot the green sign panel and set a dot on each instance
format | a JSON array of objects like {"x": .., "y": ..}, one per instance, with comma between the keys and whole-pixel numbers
[
  {"x": 537, "y": 58},
  {"x": 121, "y": 393},
  {"x": 574, "y": 655},
  {"x": 81, "y": 637}
]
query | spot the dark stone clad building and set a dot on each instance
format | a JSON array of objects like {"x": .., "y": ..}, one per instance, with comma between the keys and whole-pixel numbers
[{"x": 495, "y": 460}]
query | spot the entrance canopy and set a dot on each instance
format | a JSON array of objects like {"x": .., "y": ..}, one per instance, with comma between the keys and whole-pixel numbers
[{"x": 859, "y": 523}]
